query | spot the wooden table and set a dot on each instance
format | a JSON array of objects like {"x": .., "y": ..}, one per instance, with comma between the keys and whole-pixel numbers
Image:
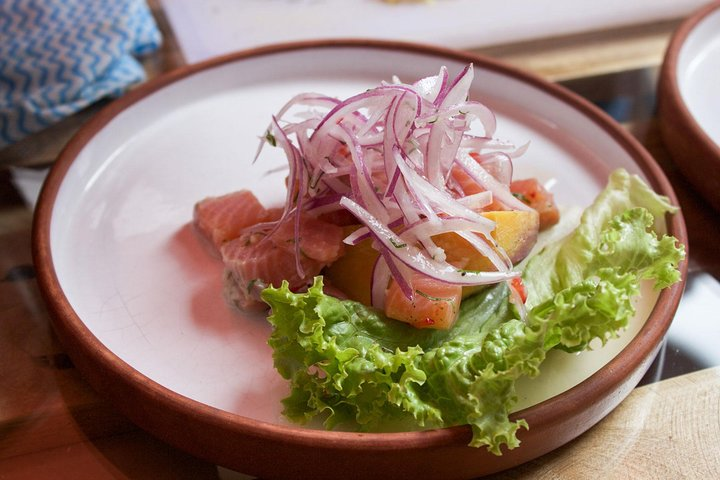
[{"x": 53, "y": 425}]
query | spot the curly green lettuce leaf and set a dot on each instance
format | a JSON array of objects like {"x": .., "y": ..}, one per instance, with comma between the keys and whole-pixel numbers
[
  {"x": 602, "y": 240},
  {"x": 351, "y": 366}
]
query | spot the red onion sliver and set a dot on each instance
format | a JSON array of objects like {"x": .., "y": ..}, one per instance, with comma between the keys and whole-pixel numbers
[
  {"x": 415, "y": 259},
  {"x": 380, "y": 279},
  {"x": 480, "y": 175}
]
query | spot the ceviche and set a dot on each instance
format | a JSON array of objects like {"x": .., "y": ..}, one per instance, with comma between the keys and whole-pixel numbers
[{"x": 406, "y": 274}]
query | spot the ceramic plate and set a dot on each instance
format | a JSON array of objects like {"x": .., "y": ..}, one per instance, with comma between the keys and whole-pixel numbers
[
  {"x": 689, "y": 104},
  {"x": 138, "y": 302}
]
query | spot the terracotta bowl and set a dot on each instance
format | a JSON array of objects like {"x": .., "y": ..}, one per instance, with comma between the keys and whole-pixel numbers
[
  {"x": 137, "y": 303},
  {"x": 689, "y": 103}
]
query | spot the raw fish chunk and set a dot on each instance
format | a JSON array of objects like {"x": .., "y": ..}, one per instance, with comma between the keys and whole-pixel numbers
[{"x": 220, "y": 219}]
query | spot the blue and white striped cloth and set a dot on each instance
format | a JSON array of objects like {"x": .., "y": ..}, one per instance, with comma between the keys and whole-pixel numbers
[{"x": 59, "y": 56}]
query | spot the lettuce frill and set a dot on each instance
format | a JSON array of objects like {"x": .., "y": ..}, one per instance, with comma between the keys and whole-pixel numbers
[{"x": 352, "y": 367}]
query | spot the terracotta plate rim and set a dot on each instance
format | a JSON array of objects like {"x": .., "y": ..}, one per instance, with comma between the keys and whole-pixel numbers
[
  {"x": 670, "y": 65},
  {"x": 674, "y": 112},
  {"x": 75, "y": 335}
]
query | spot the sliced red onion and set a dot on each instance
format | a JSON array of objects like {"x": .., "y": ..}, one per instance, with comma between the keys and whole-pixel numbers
[
  {"x": 396, "y": 273},
  {"x": 430, "y": 87},
  {"x": 362, "y": 233},
  {"x": 520, "y": 151},
  {"x": 308, "y": 99},
  {"x": 497, "y": 164},
  {"x": 367, "y": 194},
  {"x": 470, "y": 109},
  {"x": 426, "y": 227},
  {"x": 433, "y": 170},
  {"x": 386, "y": 155},
  {"x": 298, "y": 178},
  {"x": 466, "y": 229},
  {"x": 415, "y": 259},
  {"x": 476, "y": 201},
  {"x": 488, "y": 182},
  {"x": 294, "y": 178},
  {"x": 440, "y": 199},
  {"x": 497, "y": 256},
  {"x": 456, "y": 91},
  {"x": 380, "y": 279},
  {"x": 349, "y": 107}
]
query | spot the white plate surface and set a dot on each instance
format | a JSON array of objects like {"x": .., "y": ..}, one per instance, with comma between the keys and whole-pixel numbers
[
  {"x": 138, "y": 278},
  {"x": 698, "y": 72}
]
